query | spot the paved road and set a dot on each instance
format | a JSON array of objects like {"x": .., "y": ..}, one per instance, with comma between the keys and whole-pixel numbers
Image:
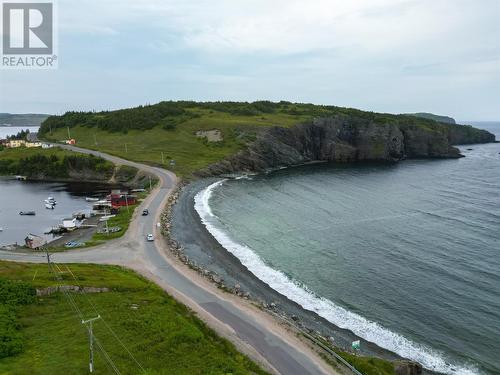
[{"x": 133, "y": 251}]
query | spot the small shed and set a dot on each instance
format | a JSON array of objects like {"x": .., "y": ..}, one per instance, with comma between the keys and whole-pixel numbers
[
  {"x": 33, "y": 241},
  {"x": 70, "y": 223}
]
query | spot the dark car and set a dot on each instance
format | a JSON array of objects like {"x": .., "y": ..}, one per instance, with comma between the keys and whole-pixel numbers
[{"x": 145, "y": 212}]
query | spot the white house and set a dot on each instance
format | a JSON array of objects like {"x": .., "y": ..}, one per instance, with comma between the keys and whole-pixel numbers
[{"x": 70, "y": 224}]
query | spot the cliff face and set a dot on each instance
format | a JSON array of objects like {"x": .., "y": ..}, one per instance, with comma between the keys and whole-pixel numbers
[{"x": 348, "y": 139}]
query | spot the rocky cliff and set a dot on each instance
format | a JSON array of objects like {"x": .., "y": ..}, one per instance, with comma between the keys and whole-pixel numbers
[{"x": 349, "y": 139}]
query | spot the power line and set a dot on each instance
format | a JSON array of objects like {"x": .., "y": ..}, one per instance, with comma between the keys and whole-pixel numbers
[
  {"x": 104, "y": 321},
  {"x": 89, "y": 322},
  {"x": 74, "y": 305},
  {"x": 106, "y": 355}
]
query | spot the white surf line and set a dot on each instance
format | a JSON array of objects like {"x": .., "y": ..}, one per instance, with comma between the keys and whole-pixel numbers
[{"x": 371, "y": 331}]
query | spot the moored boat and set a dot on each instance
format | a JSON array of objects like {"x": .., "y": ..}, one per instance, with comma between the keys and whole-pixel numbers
[
  {"x": 27, "y": 213},
  {"x": 50, "y": 206},
  {"x": 90, "y": 199}
]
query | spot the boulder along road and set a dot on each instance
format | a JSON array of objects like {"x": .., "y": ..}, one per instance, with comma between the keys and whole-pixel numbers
[{"x": 251, "y": 330}]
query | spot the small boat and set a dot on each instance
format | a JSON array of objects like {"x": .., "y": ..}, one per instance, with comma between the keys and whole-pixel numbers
[
  {"x": 50, "y": 206},
  {"x": 27, "y": 213},
  {"x": 50, "y": 202},
  {"x": 89, "y": 199}
]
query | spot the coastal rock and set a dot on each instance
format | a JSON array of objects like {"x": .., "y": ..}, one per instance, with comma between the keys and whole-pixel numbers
[
  {"x": 348, "y": 139},
  {"x": 407, "y": 368},
  {"x": 216, "y": 279}
]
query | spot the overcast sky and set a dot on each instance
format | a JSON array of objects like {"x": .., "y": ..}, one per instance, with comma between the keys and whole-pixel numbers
[{"x": 440, "y": 56}]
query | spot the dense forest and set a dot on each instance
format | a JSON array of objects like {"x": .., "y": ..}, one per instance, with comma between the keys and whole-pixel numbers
[
  {"x": 170, "y": 114},
  {"x": 23, "y": 134},
  {"x": 54, "y": 166}
]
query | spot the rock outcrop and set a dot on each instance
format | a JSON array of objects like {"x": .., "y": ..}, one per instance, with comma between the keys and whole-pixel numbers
[{"x": 348, "y": 139}]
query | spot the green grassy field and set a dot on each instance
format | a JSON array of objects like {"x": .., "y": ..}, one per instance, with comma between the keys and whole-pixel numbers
[
  {"x": 163, "y": 335},
  {"x": 181, "y": 144}
]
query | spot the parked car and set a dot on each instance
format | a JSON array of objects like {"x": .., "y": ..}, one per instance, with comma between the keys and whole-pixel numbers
[
  {"x": 150, "y": 237},
  {"x": 145, "y": 212}
]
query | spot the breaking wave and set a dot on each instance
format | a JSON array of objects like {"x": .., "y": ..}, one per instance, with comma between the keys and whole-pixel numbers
[{"x": 339, "y": 316}]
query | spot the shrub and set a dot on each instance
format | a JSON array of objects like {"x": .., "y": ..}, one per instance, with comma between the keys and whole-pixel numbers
[
  {"x": 11, "y": 342},
  {"x": 12, "y": 294}
]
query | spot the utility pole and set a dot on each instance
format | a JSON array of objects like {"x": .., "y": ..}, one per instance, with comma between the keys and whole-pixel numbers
[
  {"x": 69, "y": 134},
  {"x": 95, "y": 139},
  {"x": 48, "y": 257},
  {"x": 126, "y": 202},
  {"x": 91, "y": 341},
  {"x": 126, "y": 149},
  {"x": 162, "y": 159}
]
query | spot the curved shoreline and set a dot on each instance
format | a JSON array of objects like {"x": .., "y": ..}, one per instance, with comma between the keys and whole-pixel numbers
[
  {"x": 254, "y": 333},
  {"x": 203, "y": 249}
]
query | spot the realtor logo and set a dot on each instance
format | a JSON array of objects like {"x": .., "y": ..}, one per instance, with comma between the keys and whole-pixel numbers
[{"x": 28, "y": 35}]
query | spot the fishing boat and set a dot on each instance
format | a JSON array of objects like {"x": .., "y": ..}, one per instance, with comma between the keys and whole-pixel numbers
[
  {"x": 89, "y": 199},
  {"x": 51, "y": 200},
  {"x": 50, "y": 206},
  {"x": 27, "y": 213}
]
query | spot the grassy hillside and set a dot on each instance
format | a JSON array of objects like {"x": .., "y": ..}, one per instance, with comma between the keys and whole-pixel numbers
[
  {"x": 180, "y": 142},
  {"x": 163, "y": 335},
  {"x": 144, "y": 133}
]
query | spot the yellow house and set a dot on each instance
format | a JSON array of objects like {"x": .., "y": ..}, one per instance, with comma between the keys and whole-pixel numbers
[
  {"x": 33, "y": 144},
  {"x": 14, "y": 143}
]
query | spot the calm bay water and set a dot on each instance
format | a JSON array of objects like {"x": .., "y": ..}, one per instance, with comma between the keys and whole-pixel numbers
[
  {"x": 13, "y": 130},
  {"x": 16, "y": 196},
  {"x": 406, "y": 255}
]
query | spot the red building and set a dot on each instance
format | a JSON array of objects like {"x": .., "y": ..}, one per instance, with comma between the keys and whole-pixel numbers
[{"x": 119, "y": 199}]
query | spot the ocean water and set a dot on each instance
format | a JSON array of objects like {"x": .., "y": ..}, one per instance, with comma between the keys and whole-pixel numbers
[
  {"x": 405, "y": 255},
  {"x": 6, "y": 131}
]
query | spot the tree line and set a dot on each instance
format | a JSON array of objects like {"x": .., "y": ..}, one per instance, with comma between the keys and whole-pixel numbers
[{"x": 169, "y": 114}]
